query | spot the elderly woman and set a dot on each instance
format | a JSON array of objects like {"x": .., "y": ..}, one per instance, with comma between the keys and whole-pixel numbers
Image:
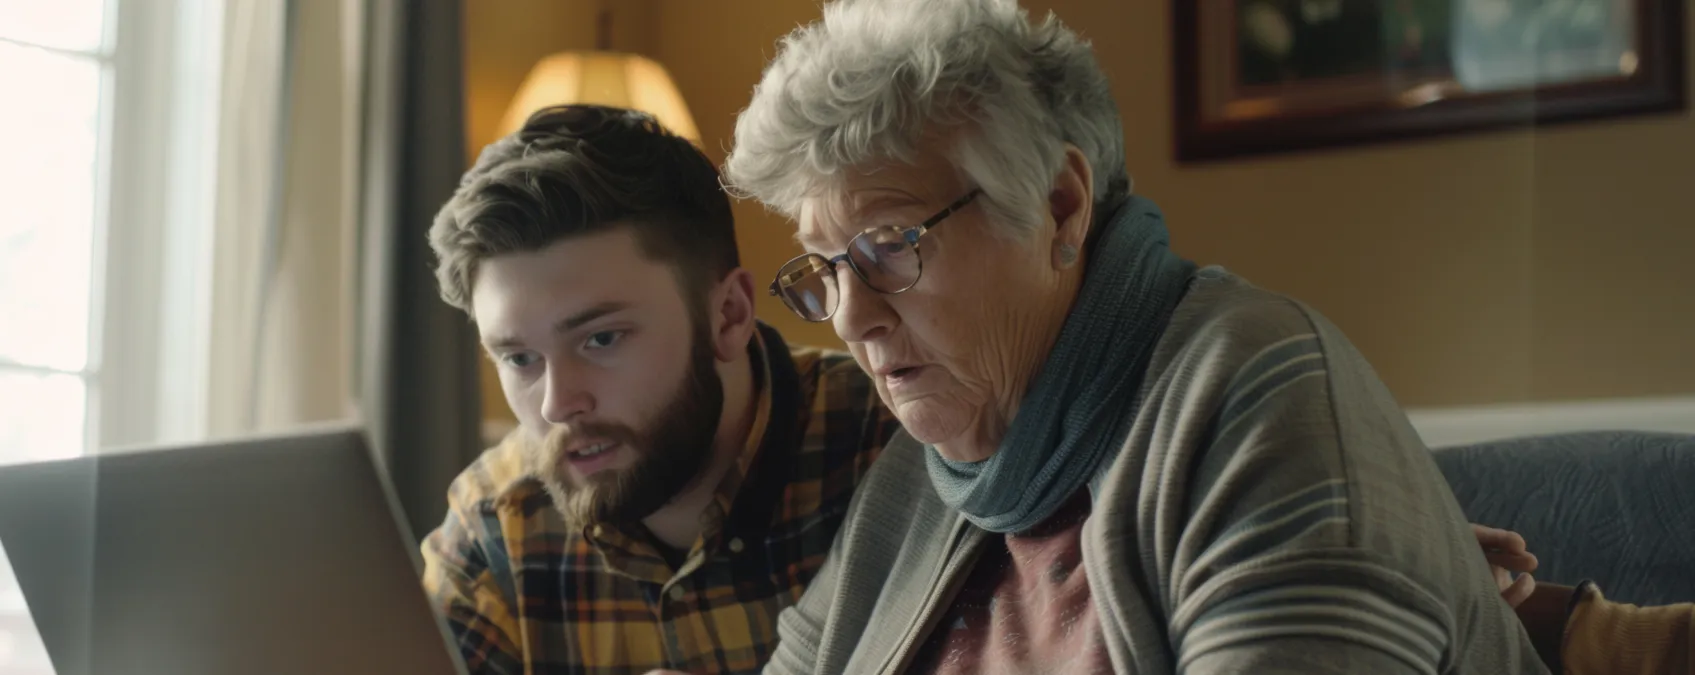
[{"x": 1116, "y": 462}]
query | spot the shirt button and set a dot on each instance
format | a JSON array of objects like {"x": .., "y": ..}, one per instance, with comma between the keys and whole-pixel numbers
[
  {"x": 677, "y": 592},
  {"x": 736, "y": 545}
]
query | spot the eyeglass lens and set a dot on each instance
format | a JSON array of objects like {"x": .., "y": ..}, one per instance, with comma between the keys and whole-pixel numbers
[{"x": 883, "y": 258}]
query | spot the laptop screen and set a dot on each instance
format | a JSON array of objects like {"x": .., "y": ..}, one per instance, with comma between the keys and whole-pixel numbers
[{"x": 21, "y": 648}]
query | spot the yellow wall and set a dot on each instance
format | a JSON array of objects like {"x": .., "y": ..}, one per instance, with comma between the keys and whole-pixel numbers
[
  {"x": 1510, "y": 266},
  {"x": 503, "y": 38}
]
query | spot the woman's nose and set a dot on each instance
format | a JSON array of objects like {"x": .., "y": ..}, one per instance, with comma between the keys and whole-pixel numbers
[{"x": 862, "y": 314}]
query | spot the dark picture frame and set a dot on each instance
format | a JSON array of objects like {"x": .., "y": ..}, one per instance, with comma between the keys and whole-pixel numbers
[{"x": 1258, "y": 77}]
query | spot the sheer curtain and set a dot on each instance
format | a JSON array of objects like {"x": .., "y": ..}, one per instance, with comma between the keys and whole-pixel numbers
[
  {"x": 341, "y": 133},
  {"x": 281, "y": 333}
]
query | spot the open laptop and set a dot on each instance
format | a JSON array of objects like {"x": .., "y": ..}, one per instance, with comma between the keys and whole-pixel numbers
[{"x": 283, "y": 555}]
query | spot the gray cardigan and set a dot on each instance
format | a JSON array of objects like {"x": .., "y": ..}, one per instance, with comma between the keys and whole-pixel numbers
[{"x": 1271, "y": 511}]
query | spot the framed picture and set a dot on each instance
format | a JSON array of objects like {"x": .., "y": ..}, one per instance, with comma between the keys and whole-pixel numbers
[{"x": 1265, "y": 76}]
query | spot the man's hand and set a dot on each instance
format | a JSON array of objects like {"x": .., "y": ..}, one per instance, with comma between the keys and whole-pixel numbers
[{"x": 1507, "y": 554}]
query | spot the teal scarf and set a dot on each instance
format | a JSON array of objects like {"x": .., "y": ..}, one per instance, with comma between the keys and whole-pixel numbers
[{"x": 1074, "y": 415}]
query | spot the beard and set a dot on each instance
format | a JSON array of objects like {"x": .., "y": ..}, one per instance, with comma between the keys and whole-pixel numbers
[{"x": 670, "y": 447}]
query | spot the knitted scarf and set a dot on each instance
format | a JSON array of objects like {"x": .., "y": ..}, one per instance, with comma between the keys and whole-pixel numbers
[{"x": 1074, "y": 416}]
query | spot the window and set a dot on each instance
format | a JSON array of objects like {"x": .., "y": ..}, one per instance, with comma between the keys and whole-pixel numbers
[
  {"x": 21, "y": 649},
  {"x": 105, "y": 208},
  {"x": 107, "y": 144},
  {"x": 55, "y": 66}
]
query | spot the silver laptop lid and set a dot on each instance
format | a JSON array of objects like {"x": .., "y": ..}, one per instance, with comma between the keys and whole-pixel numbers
[{"x": 268, "y": 556}]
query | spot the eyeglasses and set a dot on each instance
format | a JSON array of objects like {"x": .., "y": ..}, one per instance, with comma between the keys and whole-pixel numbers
[{"x": 885, "y": 258}]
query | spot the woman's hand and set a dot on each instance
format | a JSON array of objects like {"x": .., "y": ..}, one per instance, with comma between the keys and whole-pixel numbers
[{"x": 1506, "y": 553}]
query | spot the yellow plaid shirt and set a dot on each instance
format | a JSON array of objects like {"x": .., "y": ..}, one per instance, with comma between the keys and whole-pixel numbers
[{"x": 525, "y": 593}]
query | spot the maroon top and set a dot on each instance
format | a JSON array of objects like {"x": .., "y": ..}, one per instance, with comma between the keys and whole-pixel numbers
[{"x": 1025, "y": 608}]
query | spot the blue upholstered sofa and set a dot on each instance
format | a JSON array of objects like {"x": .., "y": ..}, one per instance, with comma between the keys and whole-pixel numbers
[{"x": 1614, "y": 507}]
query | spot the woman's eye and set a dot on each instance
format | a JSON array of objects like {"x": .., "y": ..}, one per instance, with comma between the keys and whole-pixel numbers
[
  {"x": 603, "y": 339},
  {"x": 893, "y": 249}
]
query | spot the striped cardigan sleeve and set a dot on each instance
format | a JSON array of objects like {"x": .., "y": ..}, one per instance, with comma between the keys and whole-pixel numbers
[{"x": 1313, "y": 537}]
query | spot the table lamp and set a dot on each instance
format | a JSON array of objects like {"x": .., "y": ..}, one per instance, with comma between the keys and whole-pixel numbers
[{"x": 603, "y": 77}]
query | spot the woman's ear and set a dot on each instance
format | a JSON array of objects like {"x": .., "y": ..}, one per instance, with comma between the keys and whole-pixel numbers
[
  {"x": 732, "y": 316},
  {"x": 1072, "y": 205}
]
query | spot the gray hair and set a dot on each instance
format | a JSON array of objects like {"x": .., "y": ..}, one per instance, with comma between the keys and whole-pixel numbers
[{"x": 864, "y": 85}]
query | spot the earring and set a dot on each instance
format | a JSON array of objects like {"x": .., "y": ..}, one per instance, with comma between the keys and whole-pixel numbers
[{"x": 1067, "y": 255}]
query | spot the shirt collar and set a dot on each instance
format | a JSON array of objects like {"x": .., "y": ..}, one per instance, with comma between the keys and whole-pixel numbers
[{"x": 730, "y": 485}]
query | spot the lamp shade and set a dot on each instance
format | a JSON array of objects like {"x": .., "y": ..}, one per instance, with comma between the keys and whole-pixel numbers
[{"x": 604, "y": 78}]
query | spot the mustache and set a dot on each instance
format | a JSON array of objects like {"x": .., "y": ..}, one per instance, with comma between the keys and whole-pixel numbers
[{"x": 563, "y": 436}]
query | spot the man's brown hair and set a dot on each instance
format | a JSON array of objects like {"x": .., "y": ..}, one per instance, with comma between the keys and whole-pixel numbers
[{"x": 579, "y": 169}]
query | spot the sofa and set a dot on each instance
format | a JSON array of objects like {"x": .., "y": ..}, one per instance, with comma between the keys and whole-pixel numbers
[{"x": 1614, "y": 507}]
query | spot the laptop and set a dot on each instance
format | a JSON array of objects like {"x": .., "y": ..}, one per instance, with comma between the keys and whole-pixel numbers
[{"x": 279, "y": 555}]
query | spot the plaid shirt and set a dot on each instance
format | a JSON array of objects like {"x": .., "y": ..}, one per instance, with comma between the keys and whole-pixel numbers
[{"x": 525, "y": 593}]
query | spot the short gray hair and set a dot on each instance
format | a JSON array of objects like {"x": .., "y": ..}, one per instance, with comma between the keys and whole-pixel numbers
[{"x": 866, "y": 83}]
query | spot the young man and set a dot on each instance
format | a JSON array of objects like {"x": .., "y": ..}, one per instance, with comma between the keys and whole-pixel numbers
[{"x": 679, "y": 473}]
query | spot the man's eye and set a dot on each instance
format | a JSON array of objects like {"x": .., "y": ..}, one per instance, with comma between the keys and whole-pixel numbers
[
  {"x": 603, "y": 339},
  {"x": 520, "y": 359}
]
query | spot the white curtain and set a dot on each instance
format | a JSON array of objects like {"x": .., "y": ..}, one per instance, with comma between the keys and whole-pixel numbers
[
  {"x": 282, "y": 324},
  {"x": 341, "y": 133}
]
